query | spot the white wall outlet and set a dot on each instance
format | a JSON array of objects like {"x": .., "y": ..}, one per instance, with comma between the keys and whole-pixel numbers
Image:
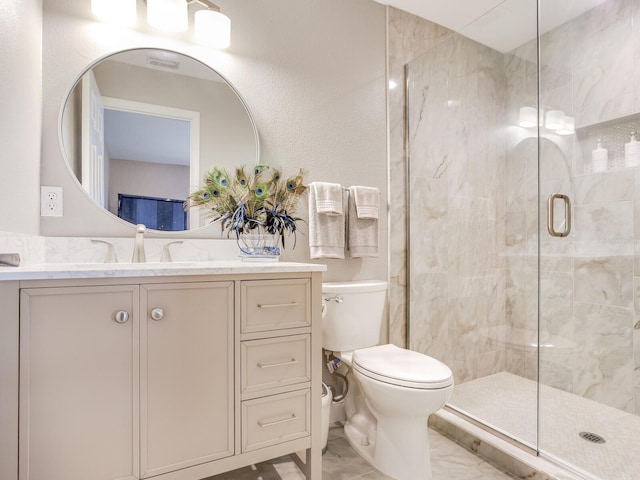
[{"x": 50, "y": 201}]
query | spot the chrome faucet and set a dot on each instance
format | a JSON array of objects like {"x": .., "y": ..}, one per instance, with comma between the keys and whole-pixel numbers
[{"x": 138, "y": 245}]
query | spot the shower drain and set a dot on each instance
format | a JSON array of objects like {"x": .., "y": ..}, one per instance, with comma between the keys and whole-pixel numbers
[{"x": 592, "y": 437}]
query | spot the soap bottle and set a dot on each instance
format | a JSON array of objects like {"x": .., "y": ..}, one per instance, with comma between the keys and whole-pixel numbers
[
  {"x": 632, "y": 152},
  {"x": 599, "y": 157}
]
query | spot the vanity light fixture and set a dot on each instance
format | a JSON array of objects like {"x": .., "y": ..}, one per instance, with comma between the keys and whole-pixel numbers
[
  {"x": 121, "y": 12},
  {"x": 528, "y": 117},
  {"x": 567, "y": 126},
  {"x": 553, "y": 119},
  {"x": 211, "y": 28}
]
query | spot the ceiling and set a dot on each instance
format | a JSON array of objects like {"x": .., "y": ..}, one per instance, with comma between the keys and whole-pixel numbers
[{"x": 500, "y": 24}]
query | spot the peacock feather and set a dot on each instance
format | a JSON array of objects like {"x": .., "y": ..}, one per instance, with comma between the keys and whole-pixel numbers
[{"x": 251, "y": 200}]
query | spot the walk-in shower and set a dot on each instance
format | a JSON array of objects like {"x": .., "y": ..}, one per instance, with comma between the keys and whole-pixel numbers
[{"x": 537, "y": 318}]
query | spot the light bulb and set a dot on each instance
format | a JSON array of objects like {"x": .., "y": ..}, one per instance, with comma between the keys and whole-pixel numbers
[
  {"x": 120, "y": 12},
  {"x": 553, "y": 119},
  {"x": 568, "y": 126},
  {"x": 528, "y": 117},
  {"x": 212, "y": 29},
  {"x": 168, "y": 15}
]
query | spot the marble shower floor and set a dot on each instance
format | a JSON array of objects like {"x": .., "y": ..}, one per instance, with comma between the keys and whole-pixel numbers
[
  {"x": 507, "y": 403},
  {"x": 449, "y": 460}
]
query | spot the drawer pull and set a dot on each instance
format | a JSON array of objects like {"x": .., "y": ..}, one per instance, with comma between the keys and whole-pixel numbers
[
  {"x": 279, "y": 364},
  {"x": 276, "y": 422},
  {"x": 278, "y": 305}
]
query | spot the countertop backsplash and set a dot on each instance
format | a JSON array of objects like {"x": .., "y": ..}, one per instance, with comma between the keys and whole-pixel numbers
[
  {"x": 31, "y": 248},
  {"x": 35, "y": 250}
]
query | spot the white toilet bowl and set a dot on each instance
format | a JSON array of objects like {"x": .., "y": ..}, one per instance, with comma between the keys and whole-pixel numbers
[{"x": 387, "y": 420}]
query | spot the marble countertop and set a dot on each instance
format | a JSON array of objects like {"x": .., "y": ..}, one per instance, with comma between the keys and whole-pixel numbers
[{"x": 115, "y": 270}]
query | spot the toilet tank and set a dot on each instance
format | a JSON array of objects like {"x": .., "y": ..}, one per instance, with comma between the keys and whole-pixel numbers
[{"x": 352, "y": 314}]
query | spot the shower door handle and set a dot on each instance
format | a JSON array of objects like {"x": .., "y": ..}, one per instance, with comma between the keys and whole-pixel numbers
[{"x": 550, "y": 215}]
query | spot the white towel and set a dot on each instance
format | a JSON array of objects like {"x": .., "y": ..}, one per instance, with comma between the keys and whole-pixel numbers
[
  {"x": 367, "y": 200},
  {"x": 326, "y": 232},
  {"x": 363, "y": 232},
  {"x": 328, "y": 197}
]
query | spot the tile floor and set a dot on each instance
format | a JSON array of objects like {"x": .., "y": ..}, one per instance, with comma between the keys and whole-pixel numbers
[{"x": 449, "y": 462}]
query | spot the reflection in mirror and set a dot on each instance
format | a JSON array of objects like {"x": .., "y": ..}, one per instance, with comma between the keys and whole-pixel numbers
[{"x": 141, "y": 127}]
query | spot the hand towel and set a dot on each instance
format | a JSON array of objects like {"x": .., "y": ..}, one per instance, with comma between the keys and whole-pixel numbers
[
  {"x": 326, "y": 232},
  {"x": 328, "y": 197},
  {"x": 362, "y": 232},
  {"x": 367, "y": 200}
]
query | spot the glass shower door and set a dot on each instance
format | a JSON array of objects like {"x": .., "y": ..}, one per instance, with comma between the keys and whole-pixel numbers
[{"x": 589, "y": 342}]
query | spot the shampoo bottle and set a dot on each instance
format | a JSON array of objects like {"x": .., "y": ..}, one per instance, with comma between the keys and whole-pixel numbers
[
  {"x": 632, "y": 152},
  {"x": 599, "y": 157}
]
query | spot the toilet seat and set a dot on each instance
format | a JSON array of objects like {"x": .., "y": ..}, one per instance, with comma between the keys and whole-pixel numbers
[{"x": 401, "y": 367}]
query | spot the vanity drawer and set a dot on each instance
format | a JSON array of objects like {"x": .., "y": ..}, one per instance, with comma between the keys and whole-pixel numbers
[
  {"x": 275, "y": 305},
  {"x": 275, "y": 362},
  {"x": 275, "y": 419}
]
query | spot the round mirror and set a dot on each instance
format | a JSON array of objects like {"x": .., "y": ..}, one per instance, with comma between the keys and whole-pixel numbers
[{"x": 141, "y": 127}]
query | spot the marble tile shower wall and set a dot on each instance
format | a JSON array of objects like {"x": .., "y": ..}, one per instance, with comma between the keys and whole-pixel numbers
[{"x": 409, "y": 37}]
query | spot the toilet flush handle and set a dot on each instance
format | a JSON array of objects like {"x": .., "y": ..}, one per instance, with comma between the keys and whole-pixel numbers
[{"x": 335, "y": 298}]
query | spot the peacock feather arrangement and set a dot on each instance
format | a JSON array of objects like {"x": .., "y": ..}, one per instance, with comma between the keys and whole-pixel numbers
[{"x": 253, "y": 201}]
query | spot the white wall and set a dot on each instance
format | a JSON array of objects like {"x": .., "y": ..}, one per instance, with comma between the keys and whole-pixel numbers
[
  {"x": 312, "y": 73},
  {"x": 20, "y": 114}
]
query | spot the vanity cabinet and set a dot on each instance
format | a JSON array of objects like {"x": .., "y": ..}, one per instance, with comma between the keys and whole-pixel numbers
[{"x": 171, "y": 378}]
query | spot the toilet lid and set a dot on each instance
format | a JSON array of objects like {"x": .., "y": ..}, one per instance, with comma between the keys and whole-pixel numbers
[{"x": 402, "y": 367}]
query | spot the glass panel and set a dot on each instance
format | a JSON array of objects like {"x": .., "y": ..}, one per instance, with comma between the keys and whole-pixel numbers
[
  {"x": 473, "y": 251},
  {"x": 589, "y": 329}
]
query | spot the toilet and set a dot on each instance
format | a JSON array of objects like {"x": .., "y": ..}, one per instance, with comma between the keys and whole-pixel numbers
[{"x": 392, "y": 390}]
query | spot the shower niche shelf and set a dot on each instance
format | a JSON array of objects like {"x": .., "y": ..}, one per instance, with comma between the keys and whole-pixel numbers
[{"x": 614, "y": 134}]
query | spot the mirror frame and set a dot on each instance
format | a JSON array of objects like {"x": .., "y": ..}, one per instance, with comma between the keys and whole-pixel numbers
[{"x": 65, "y": 157}]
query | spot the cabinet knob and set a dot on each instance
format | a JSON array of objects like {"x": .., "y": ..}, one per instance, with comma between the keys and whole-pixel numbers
[
  {"x": 157, "y": 314},
  {"x": 121, "y": 316}
]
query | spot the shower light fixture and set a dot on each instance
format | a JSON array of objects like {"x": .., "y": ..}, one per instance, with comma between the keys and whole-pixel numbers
[{"x": 211, "y": 28}]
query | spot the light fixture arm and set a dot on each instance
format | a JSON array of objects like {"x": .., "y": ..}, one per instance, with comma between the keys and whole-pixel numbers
[{"x": 205, "y": 3}]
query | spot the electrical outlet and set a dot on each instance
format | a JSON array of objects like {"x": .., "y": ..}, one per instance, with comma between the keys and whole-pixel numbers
[{"x": 50, "y": 201}]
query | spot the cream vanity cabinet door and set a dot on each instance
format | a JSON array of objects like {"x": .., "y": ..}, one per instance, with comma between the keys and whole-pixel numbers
[
  {"x": 79, "y": 383},
  {"x": 186, "y": 374}
]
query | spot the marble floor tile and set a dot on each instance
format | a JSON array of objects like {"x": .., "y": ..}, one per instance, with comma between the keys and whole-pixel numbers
[{"x": 449, "y": 461}]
